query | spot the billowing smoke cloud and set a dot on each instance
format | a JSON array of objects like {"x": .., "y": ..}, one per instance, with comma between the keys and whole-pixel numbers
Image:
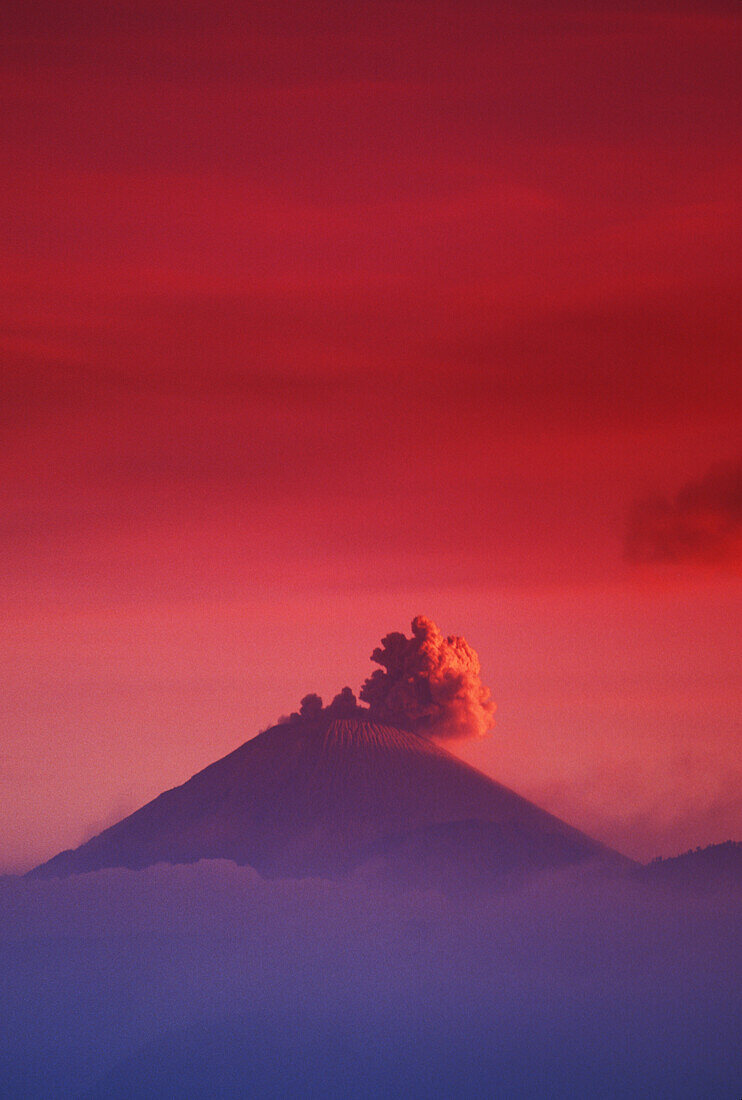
[
  {"x": 427, "y": 683},
  {"x": 344, "y": 705},
  {"x": 430, "y": 684},
  {"x": 703, "y": 523}
]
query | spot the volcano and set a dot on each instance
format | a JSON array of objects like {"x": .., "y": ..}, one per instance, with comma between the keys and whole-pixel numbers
[{"x": 312, "y": 798}]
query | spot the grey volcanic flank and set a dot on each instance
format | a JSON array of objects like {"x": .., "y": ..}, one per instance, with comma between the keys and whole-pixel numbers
[{"x": 312, "y": 797}]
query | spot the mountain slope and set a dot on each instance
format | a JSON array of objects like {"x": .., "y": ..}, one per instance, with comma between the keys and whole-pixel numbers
[{"x": 308, "y": 798}]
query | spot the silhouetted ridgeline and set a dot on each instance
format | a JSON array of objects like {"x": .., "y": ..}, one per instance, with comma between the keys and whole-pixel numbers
[{"x": 716, "y": 866}]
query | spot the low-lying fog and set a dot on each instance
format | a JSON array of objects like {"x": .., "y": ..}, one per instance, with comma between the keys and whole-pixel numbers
[{"x": 208, "y": 981}]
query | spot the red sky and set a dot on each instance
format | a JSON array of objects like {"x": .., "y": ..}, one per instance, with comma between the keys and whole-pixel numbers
[{"x": 319, "y": 316}]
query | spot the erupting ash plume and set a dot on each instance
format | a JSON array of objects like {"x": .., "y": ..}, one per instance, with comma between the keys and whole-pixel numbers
[
  {"x": 429, "y": 684},
  {"x": 344, "y": 705}
]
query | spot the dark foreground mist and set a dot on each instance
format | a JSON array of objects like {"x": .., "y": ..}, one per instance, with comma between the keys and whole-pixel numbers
[{"x": 207, "y": 981}]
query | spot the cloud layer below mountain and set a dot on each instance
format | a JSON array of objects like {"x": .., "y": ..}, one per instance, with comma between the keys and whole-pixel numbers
[{"x": 195, "y": 979}]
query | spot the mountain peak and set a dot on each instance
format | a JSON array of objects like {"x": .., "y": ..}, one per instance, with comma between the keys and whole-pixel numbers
[{"x": 362, "y": 735}]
